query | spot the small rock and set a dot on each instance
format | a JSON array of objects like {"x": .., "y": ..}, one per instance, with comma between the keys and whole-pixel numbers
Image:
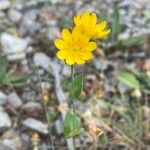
[
  {"x": 14, "y": 100},
  {"x": 29, "y": 24},
  {"x": 12, "y": 45},
  {"x": 66, "y": 71},
  {"x": 24, "y": 62},
  {"x": 36, "y": 125},
  {"x": 29, "y": 96},
  {"x": 45, "y": 85},
  {"x": 25, "y": 138},
  {"x": 14, "y": 15},
  {"x": 42, "y": 60},
  {"x": 1, "y": 109},
  {"x": 3, "y": 98},
  {"x": 17, "y": 56},
  {"x": 52, "y": 22},
  {"x": 11, "y": 139},
  {"x": 58, "y": 126},
  {"x": 4, "y": 147},
  {"x": 25, "y": 66},
  {"x": 5, "y": 121},
  {"x": 53, "y": 32},
  {"x": 32, "y": 106},
  {"x": 99, "y": 64},
  {"x": 41, "y": 71},
  {"x": 4, "y": 4}
]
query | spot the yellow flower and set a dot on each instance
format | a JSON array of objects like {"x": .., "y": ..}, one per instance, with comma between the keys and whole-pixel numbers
[
  {"x": 74, "y": 47},
  {"x": 88, "y": 25}
]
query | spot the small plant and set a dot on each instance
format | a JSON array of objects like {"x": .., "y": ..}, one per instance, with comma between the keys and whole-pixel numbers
[
  {"x": 76, "y": 48},
  {"x": 8, "y": 77},
  {"x": 136, "y": 80}
]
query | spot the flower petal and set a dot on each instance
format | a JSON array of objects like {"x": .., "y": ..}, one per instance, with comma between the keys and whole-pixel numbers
[
  {"x": 90, "y": 46},
  {"x": 75, "y": 32},
  {"x": 87, "y": 55},
  {"x": 66, "y": 35},
  {"x": 93, "y": 19},
  {"x": 77, "y": 20},
  {"x": 62, "y": 54},
  {"x": 79, "y": 60},
  {"x": 101, "y": 26},
  {"x": 70, "y": 60},
  {"x": 85, "y": 18},
  {"x": 104, "y": 33},
  {"x": 59, "y": 43}
]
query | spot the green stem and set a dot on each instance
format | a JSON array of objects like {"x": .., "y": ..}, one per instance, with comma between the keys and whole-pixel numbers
[{"x": 73, "y": 101}]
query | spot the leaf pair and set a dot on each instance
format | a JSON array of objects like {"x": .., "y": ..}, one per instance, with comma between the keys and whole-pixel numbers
[{"x": 72, "y": 126}]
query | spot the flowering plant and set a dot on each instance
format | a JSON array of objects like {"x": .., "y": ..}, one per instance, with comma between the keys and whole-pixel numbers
[{"x": 75, "y": 47}]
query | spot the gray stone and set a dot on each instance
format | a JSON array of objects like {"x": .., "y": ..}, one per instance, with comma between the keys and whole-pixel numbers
[
  {"x": 13, "y": 46},
  {"x": 3, "y": 98},
  {"x": 45, "y": 85},
  {"x": 11, "y": 139},
  {"x": 29, "y": 96},
  {"x": 17, "y": 56},
  {"x": 32, "y": 106},
  {"x": 29, "y": 24},
  {"x": 4, "y": 4},
  {"x": 5, "y": 121},
  {"x": 36, "y": 125},
  {"x": 66, "y": 71},
  {"x": 14, "y": 15},
  {"x": 99, "y": 64},
  {"x": 53, "y": 32},
  {"x": 10, "y": 142},
  {"x": 58, "y": 126},
  {"x": 42, "y": 60},
  {"x": 4, "y": 147},
  {"x": 14, "y": 100}
]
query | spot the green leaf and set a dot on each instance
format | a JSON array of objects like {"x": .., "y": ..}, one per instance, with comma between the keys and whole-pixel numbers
[
  {"x": 17, "y": 79},
  {"x": 141, "y": 76},
  {"x": 76, "y": 86},
  {"x": 134, "y": 41},
  {"x": 115, "y": 25},
  {"x": 129, "y": 79},
  {"x": 130, "y": 42},
  {"x": 72, "y": 125},
  {"x": 3, "y": 67}
]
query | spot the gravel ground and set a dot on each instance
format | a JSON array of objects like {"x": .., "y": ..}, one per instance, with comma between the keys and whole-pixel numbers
[{"x": 28, "y": 29}]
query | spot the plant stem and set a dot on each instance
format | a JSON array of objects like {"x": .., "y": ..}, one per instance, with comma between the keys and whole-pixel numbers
[
  {"x": 73, "y": 101},
  {"x": 45, "y": 109}
]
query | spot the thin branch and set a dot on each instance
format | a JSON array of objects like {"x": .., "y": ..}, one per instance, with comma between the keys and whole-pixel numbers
[{"x": 46, "y": 111}]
